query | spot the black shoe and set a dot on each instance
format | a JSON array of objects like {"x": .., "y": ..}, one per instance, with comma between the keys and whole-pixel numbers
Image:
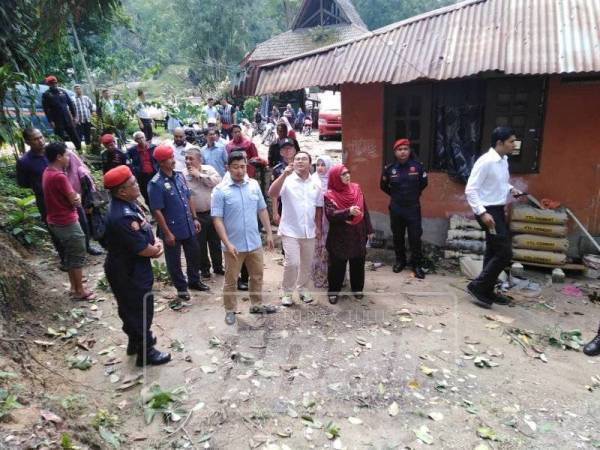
[
  {"x": 419, "y": 273},
  {"x": 359, "y": 296},
  {"x": 219, "y": 272},
  {"x": 242, "y": 286},
  {"x": 592, "y": 348},
  {"x": 480, "y": 299},
  {"x": 333, "y": 299},
  {"x": 153, "y": 357},
  {"x": 398, "y": 267},
  {"x": 501, "y": 299},
  {"x": 133, "y": 346},
  {"x": 199, "y": 286},
  {"x": 230, "y": 318},
  {"x": 94, "y": 251},
  {"x": 183, "y": 296}
]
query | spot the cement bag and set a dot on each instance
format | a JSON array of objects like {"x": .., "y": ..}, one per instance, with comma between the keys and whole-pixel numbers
[
  {"x": 466, "y": 234},
  {"x": 533, "y": 242},
  {"x": 466, "y": 245},
  {"x": 525, "y": 213},
  {"x": 471, "y": 268},
  {"x": 538, "y": 256},
  {"x": 538, "y": 228},
  {"x": 460, "y": 222}
]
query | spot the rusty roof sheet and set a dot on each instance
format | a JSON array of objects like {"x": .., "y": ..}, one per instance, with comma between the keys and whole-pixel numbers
[{"x": 514, "y": 37}]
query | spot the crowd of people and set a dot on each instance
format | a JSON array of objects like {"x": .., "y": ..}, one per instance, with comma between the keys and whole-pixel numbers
[{"x": 206, "y": 202}]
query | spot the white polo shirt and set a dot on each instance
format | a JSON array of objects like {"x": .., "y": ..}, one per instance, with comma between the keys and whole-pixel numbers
[
  {"x": 299, "y": 200},
  {"x": 179, "y": 155}
]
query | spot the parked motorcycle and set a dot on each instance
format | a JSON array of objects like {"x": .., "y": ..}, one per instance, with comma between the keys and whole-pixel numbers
[
  {"x": 269, "y": 135},
  {"x": 195, "y": 134},
  {"x": 307, "y": 128}
]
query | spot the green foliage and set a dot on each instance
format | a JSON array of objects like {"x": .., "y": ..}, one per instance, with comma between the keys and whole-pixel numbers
[
  {"x": 8, "y": 403},
  {"x": 102, "y": 284},
  {"x": 156, "y": 400},
  {"x": 379, "y": 13},
  {"x": 161, "y": 274},
  {"x": 66, "y": 443},
  {"x": 19, "y": 215},
  {"x": 104, "y": 418},
  {"x": 250, "y": 104}
]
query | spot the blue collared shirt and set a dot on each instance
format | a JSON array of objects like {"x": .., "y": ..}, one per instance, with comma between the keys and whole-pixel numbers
[
  {"x": 171, "y": 195},
  {"x": 238, "y": 205},
  {"x": 215, "y": 156}
]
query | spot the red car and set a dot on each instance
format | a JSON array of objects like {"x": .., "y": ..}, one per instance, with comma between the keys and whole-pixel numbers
[{"x": 330, "y": 124}]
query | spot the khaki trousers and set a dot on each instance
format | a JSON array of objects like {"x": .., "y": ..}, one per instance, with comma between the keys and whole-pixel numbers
[
  {"x": 254, "y": 264},
  {"x": 297, "y": 264}
]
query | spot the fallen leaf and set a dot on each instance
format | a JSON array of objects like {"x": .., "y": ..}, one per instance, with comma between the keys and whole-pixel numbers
[
  {"x": 50, "y": 417},
  {"x": 393, "y": 409},
  {"x": 427, "y": 370},
  {"x": 487, "y": 433},
  {"x": 208, "y": 369},
  {"x": 130, "y": 382},
  {"x": 500, "y": 318},
  {"x": 423, "y": 435},
  {"x": 355, "y": 420},
  {"x": 435, "y": 416}
]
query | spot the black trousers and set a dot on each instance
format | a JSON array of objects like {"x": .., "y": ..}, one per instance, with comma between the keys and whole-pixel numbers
[
  {"x": 143, "y": 179},
  {"x": 498, "y": 251},
  {"x": 84, "y": 131},
  {"x": 83, "y": 222},
  {"x": 135, "y": 304},
  {"x": 209, "y": 243},
  {"x": 173, "y": 261},
  {"x": 147, "y": 129},
  {"x": 337, "y": 270},
  {"x": 407, "y": 218},
  {"x": 68, "y": 131}
]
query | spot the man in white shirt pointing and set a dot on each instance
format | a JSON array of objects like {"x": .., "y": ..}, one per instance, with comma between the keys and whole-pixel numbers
[
  {"x": 487, "y": 192},
  {"x": 300, "y": 224}
]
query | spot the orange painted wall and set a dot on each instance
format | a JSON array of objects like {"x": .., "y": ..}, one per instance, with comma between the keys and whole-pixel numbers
[{"x": 569, "y": 164}]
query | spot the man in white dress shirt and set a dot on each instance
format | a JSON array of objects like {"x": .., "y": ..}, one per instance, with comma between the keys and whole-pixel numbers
[
  {"x": 180, "y": 146},
  {"x": 487, "y": 192},
  {"x": 300, "y": 224}
]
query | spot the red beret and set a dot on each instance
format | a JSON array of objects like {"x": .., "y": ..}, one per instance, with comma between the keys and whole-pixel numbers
[
  {"x": 163, "y": 152},
  {"x": 51, "y": 79},
  {"x": 400, "y": 142},
  {"x": 107, "y": 138},
  {"x": 117, "y": 176}
]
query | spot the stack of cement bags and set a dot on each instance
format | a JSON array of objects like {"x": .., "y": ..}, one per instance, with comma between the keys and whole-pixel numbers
[
  {"x": 465, "y": 236},
  {"x": 539, "y": 235}
]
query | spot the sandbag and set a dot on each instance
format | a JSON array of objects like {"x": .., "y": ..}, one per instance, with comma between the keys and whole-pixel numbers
[
  {"x": 538, "y": 256},
  {"x": 533, "y": 242},
  {"x": 466, "y": 234},
  {"x": 471, "y": 268},
  {"x": 459, "y": 222},
  {"x": 539, "y": 229},
  {"x": 466, "y": 245},
  {"x": 525, "y": 213}
]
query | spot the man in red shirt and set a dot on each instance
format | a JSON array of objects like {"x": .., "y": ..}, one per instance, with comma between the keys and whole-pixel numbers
[
  {"x": 143, "y": 165},
  {"x": 61, "y": 215},
  {"x": 240, "y": 142}
]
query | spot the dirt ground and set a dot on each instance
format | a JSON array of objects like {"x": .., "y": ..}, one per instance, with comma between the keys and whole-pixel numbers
[{"x": 396, "y": 369}]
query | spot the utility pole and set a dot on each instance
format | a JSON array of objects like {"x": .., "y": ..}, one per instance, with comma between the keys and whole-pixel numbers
[{"x": 85, "y": 67}]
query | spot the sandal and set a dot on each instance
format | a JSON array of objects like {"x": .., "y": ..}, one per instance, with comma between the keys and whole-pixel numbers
[
  {"x": 89, "y": 295},
  {"x": 333, "y": 299},
  {"x": 263, "y": 309}
]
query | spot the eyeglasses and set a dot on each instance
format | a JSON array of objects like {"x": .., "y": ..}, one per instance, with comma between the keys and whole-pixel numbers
[{"x": 346, "y": 173}]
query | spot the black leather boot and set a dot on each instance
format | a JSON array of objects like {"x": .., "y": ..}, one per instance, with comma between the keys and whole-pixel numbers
[
  {"x": 133, "y": 346},
  {"x": 592, "y": 348},
  {"x": 152, "y": 357},
  {"x": 399, "y": 266},
  {"x": 419, "y": 272}
]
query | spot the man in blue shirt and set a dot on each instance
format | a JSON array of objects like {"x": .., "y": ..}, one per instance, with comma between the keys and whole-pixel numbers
[
  {"x": 177, "y": 223},
  {"x": 235, "y": 204},
  {"x": 214, "y": 154}
]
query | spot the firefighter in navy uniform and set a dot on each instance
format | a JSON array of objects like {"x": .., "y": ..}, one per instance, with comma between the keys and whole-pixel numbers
[
  {"x": 403, "y": 181},
  {"x": 130, "y": 243}
]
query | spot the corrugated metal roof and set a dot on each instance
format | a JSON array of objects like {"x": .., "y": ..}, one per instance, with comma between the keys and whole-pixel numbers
[
  {"x": 515, "y": 37},
  {"x": 301, "y": 40}
]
